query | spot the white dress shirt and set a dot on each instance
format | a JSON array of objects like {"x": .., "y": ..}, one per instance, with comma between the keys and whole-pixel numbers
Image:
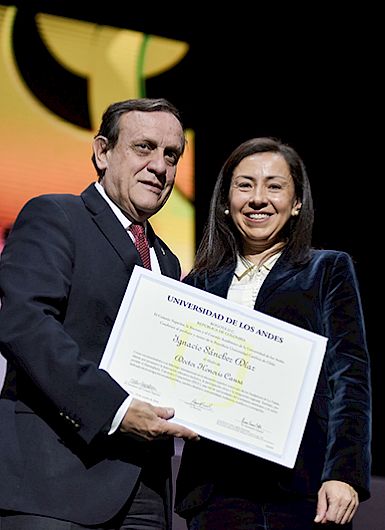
[
  {"x": 248, "y": 279},
  {"x": 154, "y": 267},
  {"x": 126, "y": 224}
]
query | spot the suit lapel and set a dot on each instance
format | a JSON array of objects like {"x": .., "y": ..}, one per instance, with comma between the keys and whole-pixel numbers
[
  {"x": 112, "y": 229},
  {"x": 110, "y": 226},
  {"x": 167, "y": 265}
]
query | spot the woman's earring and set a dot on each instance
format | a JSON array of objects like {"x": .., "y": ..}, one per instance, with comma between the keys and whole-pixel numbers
[{"x": 227, "y": 211}]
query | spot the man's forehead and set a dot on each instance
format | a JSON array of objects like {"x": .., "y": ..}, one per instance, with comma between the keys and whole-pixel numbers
[
  {"x": 150, "y": 119},
  {"x": 157, "y": 126}
]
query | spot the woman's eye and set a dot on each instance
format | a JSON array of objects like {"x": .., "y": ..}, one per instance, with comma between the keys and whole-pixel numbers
[{"x": 243, "y": 185}]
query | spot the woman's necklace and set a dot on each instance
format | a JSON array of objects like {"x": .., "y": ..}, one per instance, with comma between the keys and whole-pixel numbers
[{"x": 249, "y": 266}]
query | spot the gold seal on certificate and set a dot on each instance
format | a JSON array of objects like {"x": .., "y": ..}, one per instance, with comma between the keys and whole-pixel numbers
[{"x": 234, "y": 375}]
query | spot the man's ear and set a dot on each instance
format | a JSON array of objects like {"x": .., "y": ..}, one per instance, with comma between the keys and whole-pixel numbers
[{"x": 100, "y": 148}]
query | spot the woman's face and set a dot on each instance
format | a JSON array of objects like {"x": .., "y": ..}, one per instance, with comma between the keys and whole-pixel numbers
[{"x": 262, "y": 200}]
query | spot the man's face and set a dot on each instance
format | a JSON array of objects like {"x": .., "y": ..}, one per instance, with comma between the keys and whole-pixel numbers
[{"x": 140, "y": 170}]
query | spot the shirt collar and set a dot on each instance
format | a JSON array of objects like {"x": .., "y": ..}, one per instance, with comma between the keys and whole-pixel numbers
[
  {"x": 245, "y": 267},
  {"x": 117, "y": 211}
]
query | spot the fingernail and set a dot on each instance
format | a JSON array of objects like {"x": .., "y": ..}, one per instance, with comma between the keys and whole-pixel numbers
[{"x": 317, "y": 518}]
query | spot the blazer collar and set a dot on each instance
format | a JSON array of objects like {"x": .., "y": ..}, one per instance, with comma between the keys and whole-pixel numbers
[{"x": 219, "y": 282}]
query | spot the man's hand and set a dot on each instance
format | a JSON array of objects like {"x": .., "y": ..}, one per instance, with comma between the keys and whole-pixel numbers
[
  {"x": 337, "y": 503},
  {"x": 150, "y": 422}
]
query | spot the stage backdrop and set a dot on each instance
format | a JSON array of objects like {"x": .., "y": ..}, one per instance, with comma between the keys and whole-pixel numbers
[{"x": 57, "y": 77}]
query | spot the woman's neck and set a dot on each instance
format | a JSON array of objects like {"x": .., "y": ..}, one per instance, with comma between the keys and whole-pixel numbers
[{"x": 259, "y": 257}]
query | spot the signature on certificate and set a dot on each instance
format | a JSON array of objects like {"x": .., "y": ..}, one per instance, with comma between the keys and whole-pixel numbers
[
  {"x": 135, "y": 383},
  {"x": 245, "y": 422},
  {"x": 200, "y": 405}
]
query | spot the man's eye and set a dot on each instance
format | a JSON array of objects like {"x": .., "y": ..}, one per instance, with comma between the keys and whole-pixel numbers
[
  {"x": 172, "y": 158},
  {"x": 143, "y": 146}
]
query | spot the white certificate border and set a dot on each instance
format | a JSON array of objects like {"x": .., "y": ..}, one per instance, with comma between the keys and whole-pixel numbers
[{"x": 306, "y": 393}]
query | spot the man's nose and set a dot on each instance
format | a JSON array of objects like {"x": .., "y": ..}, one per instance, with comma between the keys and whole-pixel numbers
[{"x": 157, "y": 163}]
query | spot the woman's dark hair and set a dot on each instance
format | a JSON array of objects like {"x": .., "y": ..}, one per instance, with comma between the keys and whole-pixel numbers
[
  {"x": 109, "y": 127},
  {"x": 221, "y": 243}
]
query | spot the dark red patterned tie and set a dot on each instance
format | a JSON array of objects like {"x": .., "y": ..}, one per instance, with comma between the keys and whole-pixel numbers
[{"x": 141, "y": 243}]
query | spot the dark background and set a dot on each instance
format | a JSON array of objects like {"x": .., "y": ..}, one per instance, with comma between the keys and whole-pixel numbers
[{"x": 310, "y": 77}]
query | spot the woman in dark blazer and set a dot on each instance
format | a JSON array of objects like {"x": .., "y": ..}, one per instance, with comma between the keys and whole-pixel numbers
[{"x": 256, "y": 250}]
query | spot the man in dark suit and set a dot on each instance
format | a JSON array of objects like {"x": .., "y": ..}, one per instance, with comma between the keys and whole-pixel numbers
[{"x": 76, "y": 451}]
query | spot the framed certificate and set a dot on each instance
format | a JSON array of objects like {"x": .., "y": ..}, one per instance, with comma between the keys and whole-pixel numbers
[{"x": 231, "y": 373}]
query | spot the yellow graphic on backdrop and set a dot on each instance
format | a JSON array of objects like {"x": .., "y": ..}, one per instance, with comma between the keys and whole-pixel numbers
[{"x": 43, "y": 153}]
